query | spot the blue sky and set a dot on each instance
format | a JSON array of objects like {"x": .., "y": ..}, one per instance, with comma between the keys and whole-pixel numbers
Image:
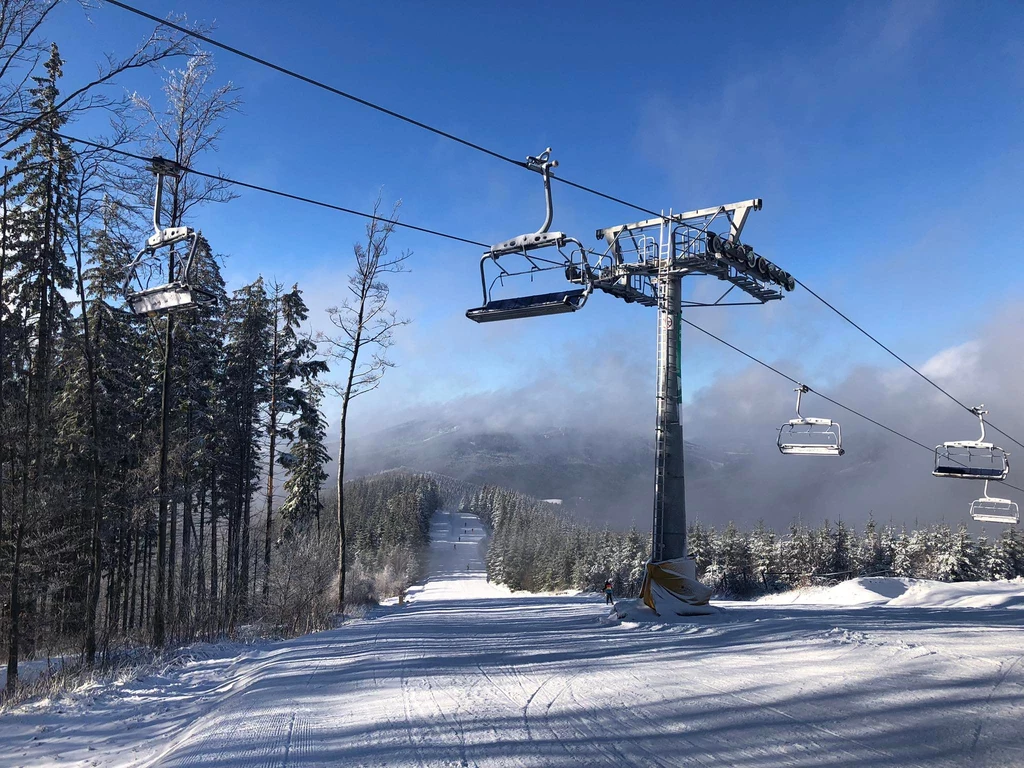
[{"x": 886, "y": 140}]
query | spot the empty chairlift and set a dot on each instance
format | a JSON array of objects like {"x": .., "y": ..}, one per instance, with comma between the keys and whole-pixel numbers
[
  {"x": 991, "y": 510},
  {"x": 540, "y": 251},
  {"x": 179, "y": 293},
  {"x": 807, "y": 436},
  {"x": 972, "y": 459}
]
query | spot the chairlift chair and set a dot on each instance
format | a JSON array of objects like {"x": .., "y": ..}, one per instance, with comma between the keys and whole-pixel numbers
[
  {"x": 527, "y": 246},
  {"x": 179, "y": 293},
  {"x": 991, "y": 510},
  {"x": 808, "y": 436},
  {"x": 972, "y": 459}
]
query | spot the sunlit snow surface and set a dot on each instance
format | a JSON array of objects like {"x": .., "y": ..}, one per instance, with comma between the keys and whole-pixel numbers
[{"x": 876, "y": 672}]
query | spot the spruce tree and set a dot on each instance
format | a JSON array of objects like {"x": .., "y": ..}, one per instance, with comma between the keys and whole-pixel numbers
[
  {"x": 291, "y": 358},
  {"x": 40, "y": 193},
  {"x": 305, "y": 462}
]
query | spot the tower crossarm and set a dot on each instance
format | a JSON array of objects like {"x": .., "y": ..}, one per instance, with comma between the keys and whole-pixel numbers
[
  {"x": 736, "y": 212},
  {"x": 701, "y": 242}
]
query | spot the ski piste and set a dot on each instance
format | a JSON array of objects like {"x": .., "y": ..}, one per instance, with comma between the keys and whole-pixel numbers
[{"x": 872, "y": 672}]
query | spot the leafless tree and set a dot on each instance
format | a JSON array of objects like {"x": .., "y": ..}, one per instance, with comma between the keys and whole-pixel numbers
[
  {"x": 21, "y": 49},
  {"x": 364, "y": 332}
]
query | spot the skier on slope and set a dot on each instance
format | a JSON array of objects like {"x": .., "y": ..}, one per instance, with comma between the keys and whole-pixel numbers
[{"x": 608, "y": 592}]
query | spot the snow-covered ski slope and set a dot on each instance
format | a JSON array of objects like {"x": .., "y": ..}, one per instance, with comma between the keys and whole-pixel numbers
[{"x": 469, "y": 674}]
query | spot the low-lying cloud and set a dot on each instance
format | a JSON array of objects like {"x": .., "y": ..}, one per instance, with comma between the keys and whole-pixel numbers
[{"x": 606, "y": 391}]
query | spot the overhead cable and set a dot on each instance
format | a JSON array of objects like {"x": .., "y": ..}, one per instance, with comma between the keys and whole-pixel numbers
[
  {"x": 908, "y": 365},
  {"x": 259, "y": 187},
  {"x": 825, "y": 397},
  {"x": 437, "y": 233},
  {"x": 492, "y": 153},
  {"x": 366, "y": 103}
]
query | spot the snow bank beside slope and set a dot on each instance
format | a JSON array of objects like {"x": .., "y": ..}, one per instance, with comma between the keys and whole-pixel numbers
[
  {"x": 871, "y": 590},
  {"x": 965, "y": 594},
  {"x": 906, "y": 593}
]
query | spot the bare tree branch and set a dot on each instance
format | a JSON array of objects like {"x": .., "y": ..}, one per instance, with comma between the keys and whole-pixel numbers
[
  {"x": 366, "y": 327},
  {"x": 20, "y": 21}
]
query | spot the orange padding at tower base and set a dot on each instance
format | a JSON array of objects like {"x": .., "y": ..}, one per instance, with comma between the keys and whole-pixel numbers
[{"x": 667, "y": 582}]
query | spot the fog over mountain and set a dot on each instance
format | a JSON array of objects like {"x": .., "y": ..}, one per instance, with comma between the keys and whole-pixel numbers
[
  {"x": 586, "y": 436},
  {"x": 601, "y": 476}
]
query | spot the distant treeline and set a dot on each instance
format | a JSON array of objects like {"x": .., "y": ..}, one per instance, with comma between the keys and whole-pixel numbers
[
  {"x": 742, "y": 563},
  {"x": 535, "y": 546}
]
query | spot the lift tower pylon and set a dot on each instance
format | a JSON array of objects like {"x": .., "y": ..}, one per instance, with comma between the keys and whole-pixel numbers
[
  {"x": 641, "y": 269},
  {"x": 643, "y": 263},
  {"x": 669, "y": 527}
]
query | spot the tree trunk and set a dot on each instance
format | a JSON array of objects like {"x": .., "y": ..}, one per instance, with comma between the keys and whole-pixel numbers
[
  {"x": 146, "y": 598},
  {"x": 346, "y": 398},
  {"x": 3, "y": 361},
  {"x": 95, "y": 544},
  {"x": 214, "y": 576},
  {"x": 342, "y": 548},
  {"x": 135, "y": 584},
  {"x": 14, "y": 628},
  {"x": 170, "y": 604},
  {"x": 15, "y": 608},
  {"x": 159, "y": 618},
  {"x": 199, "y": 592},
  {"x": 272, "y": 429}
]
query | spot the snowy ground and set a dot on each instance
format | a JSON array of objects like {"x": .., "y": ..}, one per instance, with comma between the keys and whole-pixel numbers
[{"x": 468, "y": 674}]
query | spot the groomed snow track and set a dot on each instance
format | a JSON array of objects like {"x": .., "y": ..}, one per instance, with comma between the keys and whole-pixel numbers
[{"x": 468, "y": 674}]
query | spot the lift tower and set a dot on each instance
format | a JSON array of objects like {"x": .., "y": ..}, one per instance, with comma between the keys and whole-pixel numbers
[
  {"x": 641, "y": 268},
  {"x": 642, "y": 263}
]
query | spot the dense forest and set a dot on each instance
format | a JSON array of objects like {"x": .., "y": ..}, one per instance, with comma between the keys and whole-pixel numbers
[
  {"x": 161, "y": 474},
  {"x": 534, "y": 546}
]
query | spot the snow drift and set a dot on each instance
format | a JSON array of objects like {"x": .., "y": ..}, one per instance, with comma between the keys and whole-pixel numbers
[{"x": 907, "y": 593}]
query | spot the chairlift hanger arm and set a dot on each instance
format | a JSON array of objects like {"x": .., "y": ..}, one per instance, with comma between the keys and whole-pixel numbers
[
  {"x": 543, "y": 165},
  {"x": 800, "y": 390},
  {"x": 979, "y": 411}
]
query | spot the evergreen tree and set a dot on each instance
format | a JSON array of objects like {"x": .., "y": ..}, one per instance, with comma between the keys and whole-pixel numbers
[
  {"x": 39, "y": 211},
  {"x": 291, "y": 358},
  {"x": 246, "y": 392},
  {"x": 305, "y": 462}
]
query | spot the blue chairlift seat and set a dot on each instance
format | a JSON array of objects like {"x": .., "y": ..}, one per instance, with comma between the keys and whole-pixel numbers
[
  {"x": 969, "y": 460},
  {"x": 957, "y": 470},
  {"x": 556, "y": 303}
]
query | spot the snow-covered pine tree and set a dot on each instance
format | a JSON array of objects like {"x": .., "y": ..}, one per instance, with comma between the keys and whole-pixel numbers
[
  {"x": 764, "y": 553},
  {"x": 246, "y": 392},
  {"x": 39, "y": 206},
  {"x": 304, "y": 460},
  {"x": 291, "y": 358},
  {"x": 953, "y": 556}
]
